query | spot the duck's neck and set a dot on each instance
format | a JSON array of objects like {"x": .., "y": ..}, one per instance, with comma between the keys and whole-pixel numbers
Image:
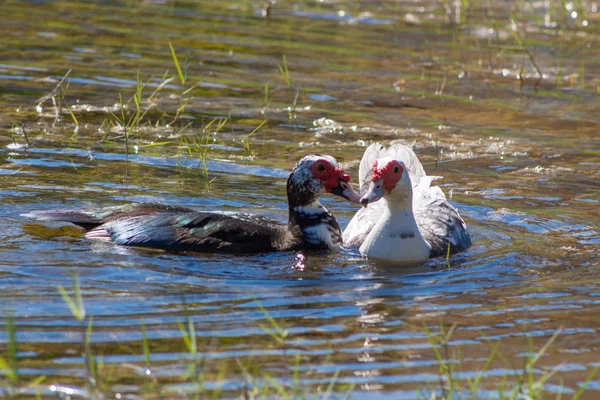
[
  {"x": 395, "y": 236},
  {"x": 307, "y": 216},
  {"x": 319, "y": 227}
]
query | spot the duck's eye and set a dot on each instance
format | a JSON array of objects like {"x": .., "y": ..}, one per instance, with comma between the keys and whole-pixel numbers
[
  {"x": 396, "y": 169},
  {"x": 321, "y": 167}
]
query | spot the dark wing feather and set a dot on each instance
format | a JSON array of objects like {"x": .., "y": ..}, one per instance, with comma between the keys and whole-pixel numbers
[
  {"x": 203, "y": 232},
  {"x": 73, "y": 216},
  {"x": 441, "y": 226},
  {"x": 92, "y": 218}
]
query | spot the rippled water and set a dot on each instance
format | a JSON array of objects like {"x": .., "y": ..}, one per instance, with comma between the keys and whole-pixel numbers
[{"x": 519, "y": 157}]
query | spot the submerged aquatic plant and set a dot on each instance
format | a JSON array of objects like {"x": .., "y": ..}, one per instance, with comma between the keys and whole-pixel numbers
[
  {"x": 206, "y": 377},
  {"x": 285, "y": 73},
  {"x": 16, "y": 129},
  {"x": 57, "y": 95},
  {"x": 198, "y": 144},
  {"x": 11, "y": 383},
  {"x": 512, "y": 387},
  {"x": 246, "y": 139},
  {"x": 182, "y": 73},
  {"x": 9, "y": 365},
  {"x": 515, "y": 32},
  {"x": 130, "y": 124}
]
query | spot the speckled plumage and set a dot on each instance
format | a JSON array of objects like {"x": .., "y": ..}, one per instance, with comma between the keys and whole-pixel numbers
[{"x": 179, "y": 228}]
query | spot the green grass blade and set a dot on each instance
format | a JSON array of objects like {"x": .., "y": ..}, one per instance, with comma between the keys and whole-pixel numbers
[
  {"x": 186, "y": 65},
  {"x": 266, "y": 94},
  {"x": 274, "y": 384},
  {"x": 189, "y": 335},
  {"x": 256, "y": 129},
  {"x": 515, "y": 32},
  {"x": 76, "y": 304},
  {"x": 331, "y": 384},
  {"x": 185, "y": 336},
  {"x": 585, "y": 384},
  {"x": 73, "y": 117},
  {"x": 177, "y": 65},
  {"x": 349, "y": 392},
  {"x": 91, "y": 360},
  {"x": 8, "y": 371},
  {"x": 283, "y": 69},
  {"x": 271, "y": 333},
  {"x": 245, "y": 139},
  {"x": 11, "y": 332},
  {"x": 137, "y": 96},
  {"x": 145, "y": 346},
  {"x": 37, "y": 381},
  {"x": 122, "y": 107},
  {"x": 155, "y": 144},
  {"x": 194, "y": 349}
]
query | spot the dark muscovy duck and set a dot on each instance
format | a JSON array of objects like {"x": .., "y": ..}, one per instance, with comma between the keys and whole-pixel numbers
[
  {"x": 310, "y": 225},
  {"x": 405, "y": 219}
]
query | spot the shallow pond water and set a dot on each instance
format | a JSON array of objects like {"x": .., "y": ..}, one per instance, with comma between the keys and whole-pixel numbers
[{"x": 519, "y": 156}]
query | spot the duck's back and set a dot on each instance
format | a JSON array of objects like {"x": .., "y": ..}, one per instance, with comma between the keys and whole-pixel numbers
[
  {"x": 179, "y": 228},
  {"x": 201, "y": 232}
]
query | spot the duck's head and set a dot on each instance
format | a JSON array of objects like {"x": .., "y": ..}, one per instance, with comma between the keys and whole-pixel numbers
[
  {"x": 389, "y": 176},
  {"x": 316, "y": 174}
]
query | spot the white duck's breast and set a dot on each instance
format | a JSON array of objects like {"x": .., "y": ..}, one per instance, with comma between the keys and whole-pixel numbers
[{"x": 396, "y": 238}]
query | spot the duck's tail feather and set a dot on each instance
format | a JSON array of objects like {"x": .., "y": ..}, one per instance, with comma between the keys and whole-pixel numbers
[
  {"x": 98, "y": 233},
  {"x": 76, "y": 217}
]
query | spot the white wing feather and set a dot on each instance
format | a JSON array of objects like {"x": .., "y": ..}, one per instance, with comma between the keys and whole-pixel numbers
[{"x": 397, "y": 151}]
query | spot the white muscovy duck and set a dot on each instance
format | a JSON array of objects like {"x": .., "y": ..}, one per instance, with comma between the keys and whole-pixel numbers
[
  {"x": 310, "y": 225},
  {"x": 404, "y": 218}
]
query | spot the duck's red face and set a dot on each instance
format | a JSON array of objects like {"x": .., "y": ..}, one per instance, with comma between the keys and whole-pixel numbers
[
  {"x": 334, "y": 179},
  {"x": 386, "y": 175},
  {"x": 324, "y": 171},
  {"x": 390, "y": 172}
]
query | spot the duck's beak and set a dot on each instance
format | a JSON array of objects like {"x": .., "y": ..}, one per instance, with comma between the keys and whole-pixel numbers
[
  {"x": 374, "y": 193},
  {"x": 344, "y": 190}
]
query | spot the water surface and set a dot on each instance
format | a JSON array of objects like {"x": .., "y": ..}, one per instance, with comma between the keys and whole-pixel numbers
[{"x": 519, "y": 156}]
